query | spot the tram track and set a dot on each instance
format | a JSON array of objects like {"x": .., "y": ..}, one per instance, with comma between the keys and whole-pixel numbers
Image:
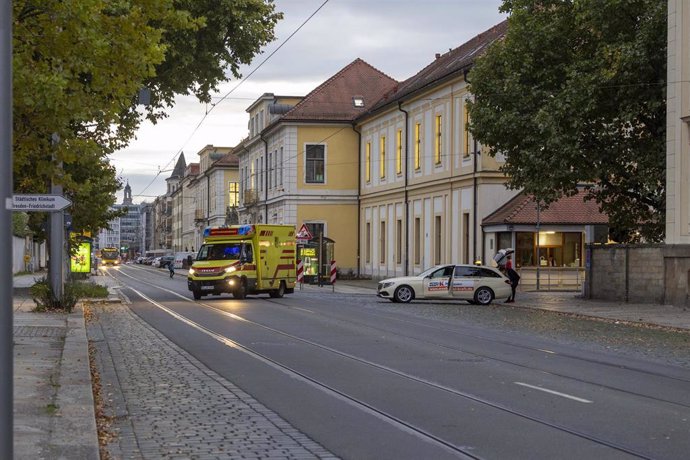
[
  {"x": 390, "y": 418},
  {"x": 369, "y": 326}
]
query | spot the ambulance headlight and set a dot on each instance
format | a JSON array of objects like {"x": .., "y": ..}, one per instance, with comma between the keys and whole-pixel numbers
[
  {"x": 191, "y": 271},
  {"x": 230, "y": 269}
]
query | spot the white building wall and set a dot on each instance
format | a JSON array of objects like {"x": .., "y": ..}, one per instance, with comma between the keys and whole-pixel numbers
[{"x": 678, "y": 119}]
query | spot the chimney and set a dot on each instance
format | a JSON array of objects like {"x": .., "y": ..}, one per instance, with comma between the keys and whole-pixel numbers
[{"x": 438, "y": 55}]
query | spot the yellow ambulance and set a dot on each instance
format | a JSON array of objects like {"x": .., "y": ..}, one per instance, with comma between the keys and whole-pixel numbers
[{"x": 245, "y": 259}]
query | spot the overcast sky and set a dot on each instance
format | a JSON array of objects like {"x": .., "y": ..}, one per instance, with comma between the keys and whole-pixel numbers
[{"x": 398, "y": 37}]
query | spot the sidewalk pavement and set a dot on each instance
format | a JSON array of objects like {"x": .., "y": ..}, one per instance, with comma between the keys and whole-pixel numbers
[{"x": 53, "y": 404}]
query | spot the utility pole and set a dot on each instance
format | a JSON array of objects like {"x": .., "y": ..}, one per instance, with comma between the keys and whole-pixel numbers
[
  {"x": 6, "y": 181},
  {"x": 57, "y": 236}
]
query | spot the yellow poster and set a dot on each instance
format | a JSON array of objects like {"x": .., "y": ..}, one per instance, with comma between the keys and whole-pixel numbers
[{"x": 81, "y": 261}]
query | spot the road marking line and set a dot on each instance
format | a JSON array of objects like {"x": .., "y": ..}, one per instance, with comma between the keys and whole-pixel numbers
[{"x": 546, "y": 390}]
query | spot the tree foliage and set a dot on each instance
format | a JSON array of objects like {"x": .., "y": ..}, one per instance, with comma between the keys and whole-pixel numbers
[
  {"x": 575, "y": 94},
  {"x": 77, "y": 69}
]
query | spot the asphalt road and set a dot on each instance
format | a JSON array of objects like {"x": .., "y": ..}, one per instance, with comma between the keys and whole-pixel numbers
[{"x": 369, "y": 379}]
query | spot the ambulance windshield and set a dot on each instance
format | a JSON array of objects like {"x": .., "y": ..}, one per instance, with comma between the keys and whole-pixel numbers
[{"x": 220, "y": 251}]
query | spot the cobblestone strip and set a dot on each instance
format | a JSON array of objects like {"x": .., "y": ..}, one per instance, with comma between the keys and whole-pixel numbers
[{"x": 175, "y": 407}]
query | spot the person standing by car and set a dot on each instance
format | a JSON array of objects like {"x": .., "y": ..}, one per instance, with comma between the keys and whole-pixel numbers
[
  {"x": 514, "y": 278},
  {"x": 171, "y": 268}
]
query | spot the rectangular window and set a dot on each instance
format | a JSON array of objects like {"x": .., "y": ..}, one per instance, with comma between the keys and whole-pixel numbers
[
  {"x": 398, "y": 152},
  {"x": 260, "y": 173},
  {"x": 382, "y": 157},
  {"x": 417, "y": 241},
  {"x": 367, "y": 246},
  {"x": 438, "y": 230},
  {"x": 382, "y": 239},
  {"x": 367, "y": 163},
  {"x": 504, "y": 240},
  {"x": 270, "y": 170},
  {"x": 466, "y": 131},
  {"x": 316, "y": 228},
  {"x": 233, "y": 193},
  {"x": 398, "y": 241},
  {"x": 417, "y": 146},
  {"x": 280, "y": 162},
  {"x": 437, "y": 144},
  {"x": 315, "y": 163}
]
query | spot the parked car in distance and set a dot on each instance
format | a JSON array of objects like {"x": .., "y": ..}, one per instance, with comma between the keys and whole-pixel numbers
[
  {"x": 156, "y": 262},
  {"x": 476, "y": 284}
]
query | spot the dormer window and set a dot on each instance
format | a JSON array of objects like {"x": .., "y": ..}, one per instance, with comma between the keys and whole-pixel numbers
[{"x": 358, "y": 101}]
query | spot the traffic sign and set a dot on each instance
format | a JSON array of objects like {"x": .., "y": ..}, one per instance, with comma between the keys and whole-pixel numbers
[
  {"x": 39, "y": 203},
  {"x": 304, "y": 233}
]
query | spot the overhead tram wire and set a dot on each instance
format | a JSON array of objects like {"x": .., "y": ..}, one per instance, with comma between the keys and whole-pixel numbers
[{"x": 203, "y": 118}]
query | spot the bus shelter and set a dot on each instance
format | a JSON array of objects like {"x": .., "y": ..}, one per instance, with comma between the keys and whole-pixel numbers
[{"x": 316, "y": 259}]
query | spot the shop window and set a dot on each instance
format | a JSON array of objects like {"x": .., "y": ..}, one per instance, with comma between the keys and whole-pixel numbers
[
  {"x": 504, "y": 240},
  {"x": 554, "y": 249},
  {"x": 525, "y": 244}
]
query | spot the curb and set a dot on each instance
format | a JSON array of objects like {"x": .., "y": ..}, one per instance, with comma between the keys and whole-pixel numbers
[{"x": 74, "y": 433}]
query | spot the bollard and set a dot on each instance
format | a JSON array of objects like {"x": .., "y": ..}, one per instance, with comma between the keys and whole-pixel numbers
[
  {"x": 333, "y": 274},
  {"x": 300, "y": 273}
]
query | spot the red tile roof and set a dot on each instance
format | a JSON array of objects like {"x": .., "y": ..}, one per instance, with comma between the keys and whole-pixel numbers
[
  {"x": 573, "y": 210},
  {"x": 447, "y": 65},
  {"x": 333, "y": 99}
]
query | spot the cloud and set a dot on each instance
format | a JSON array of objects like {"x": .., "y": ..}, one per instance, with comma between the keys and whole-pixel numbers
[{"x": 398, "y": 37}]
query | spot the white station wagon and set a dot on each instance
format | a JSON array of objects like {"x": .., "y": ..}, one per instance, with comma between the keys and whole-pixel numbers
[{"x": 474, "y": 283}]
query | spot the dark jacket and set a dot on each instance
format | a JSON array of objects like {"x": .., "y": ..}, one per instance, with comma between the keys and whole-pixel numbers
[{"x": 513, "y": 276}]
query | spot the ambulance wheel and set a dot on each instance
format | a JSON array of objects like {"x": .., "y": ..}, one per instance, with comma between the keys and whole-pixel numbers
[
  {"x": 197, "y": 294},
  {"x": 278, "y": 293},
  {"x": 241, "y": 291}
]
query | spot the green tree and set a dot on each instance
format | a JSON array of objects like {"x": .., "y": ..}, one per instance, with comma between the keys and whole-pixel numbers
[
  {"x": 78, "y": 66},
  {"x": 575, "y": 94}
]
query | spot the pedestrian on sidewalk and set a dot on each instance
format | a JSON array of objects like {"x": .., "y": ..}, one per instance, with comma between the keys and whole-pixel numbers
[
  {"x": 171, "y": 269},
  {"x": 514, "y": 278}
]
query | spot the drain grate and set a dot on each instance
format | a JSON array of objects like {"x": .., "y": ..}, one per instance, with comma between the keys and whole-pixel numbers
[{"x": 39, "y": 331}]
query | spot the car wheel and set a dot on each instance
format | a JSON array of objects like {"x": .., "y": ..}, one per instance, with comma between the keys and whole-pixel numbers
[
  {"x": 403, "y": 294},
  {"x": 278, "y": 293},
  {"x": 483, "y": 295},
  {"x": 197, "y": 294},
  {"x": 241, "y": 291}
]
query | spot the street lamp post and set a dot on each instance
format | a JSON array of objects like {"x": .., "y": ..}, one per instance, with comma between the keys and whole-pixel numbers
[{"x": 6, "y": 357}]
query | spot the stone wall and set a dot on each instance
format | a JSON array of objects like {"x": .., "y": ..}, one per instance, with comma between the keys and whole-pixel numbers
[
  {"x": 625, "y": 273},
  {"x": 657, "y": 274}
]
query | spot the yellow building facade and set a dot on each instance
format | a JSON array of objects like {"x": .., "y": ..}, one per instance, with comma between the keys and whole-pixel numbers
[
  {"x": 299, "y": 165},
  {"x": 426, "y": 184}
]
